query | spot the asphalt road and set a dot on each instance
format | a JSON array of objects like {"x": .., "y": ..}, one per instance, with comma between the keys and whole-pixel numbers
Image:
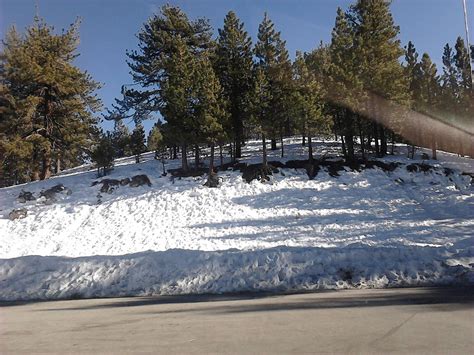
[{"x": 421, "y": 320}]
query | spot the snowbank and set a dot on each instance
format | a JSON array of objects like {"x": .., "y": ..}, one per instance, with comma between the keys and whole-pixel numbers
[{"x": 186, "y": 271}]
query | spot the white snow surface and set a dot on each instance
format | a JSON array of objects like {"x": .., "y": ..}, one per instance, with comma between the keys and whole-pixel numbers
[{"x": 362, "y": 229}]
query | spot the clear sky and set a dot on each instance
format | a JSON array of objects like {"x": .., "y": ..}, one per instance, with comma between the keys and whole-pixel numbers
[{"x": 109, "y": 26}]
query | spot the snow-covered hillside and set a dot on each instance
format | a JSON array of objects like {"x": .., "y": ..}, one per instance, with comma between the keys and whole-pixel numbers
[{"x": 367, "y": 228}]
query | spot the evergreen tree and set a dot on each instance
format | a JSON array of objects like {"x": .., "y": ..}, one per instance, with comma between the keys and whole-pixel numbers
[
  {"x": 449, "y": 80},
  {"x": 412, "y": 72},
  {"x": 103, "y": 154},
  {"x": 155, "y": 139},
  {"x": 209, "y": 106},
  {"x": 465, "y": 91},
  {"x": 177, "y": 97},
  {"x": 345, "y": 86},
  {"x": 137, "y": 142},
  {"x": 429, "y": 95},
  {"x": 54, "y": 100},
  {"x": 261, "y": 109},
  {"x": 378, "y": 50},
  {"x": 463, "y": 65},
  {"x": 121, "y": 139},
  {"x": 273, "y": 62},
  {"x": 318, "y": 63},
  {"x": 308, "y": 103},
  {"x": 233, "y": 63},
  {"x": 164, "y": 67},
  {"x": 412, "y": 69}
]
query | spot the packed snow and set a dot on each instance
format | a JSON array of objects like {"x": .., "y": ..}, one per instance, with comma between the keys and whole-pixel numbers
[{"x": 362, "y": 229}]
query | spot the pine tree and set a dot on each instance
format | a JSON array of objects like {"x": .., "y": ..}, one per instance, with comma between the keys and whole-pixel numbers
[
  {"x": 137, "y": 142},
  {"x": 273, "y": 62},
  {"x": 308, "y": 102},
  {"x": 413, "y": 74},
  {"x": 412, "y": 69},
  {"x": 209, "y": 106},
  {"x": 233, "y": 63},
  {"x": 103, "y": 154},
  {"x": 54, "y": 99},
  {"x": 429, "y": 95},
  {"x": 378, "y": 50},
  {"x": 164, "y": 67},
  {"x": 154, "y": 141},
  {"x": 463, "y": 65},
  {"x": 177, "y": 97},
  {"x": 261, "y": 109},
  {"x": 449, "y": 79},
  {"x": 465, "y": 93},
  {"x": 121, "y": 139},
  {"x": 345, "y": 85}
]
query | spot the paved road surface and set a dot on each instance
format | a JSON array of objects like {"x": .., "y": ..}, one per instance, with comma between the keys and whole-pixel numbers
[{"x": 428, "y": 320}]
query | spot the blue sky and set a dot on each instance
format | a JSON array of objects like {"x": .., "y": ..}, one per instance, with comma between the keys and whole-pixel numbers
[{"x": 109, "y": 26}]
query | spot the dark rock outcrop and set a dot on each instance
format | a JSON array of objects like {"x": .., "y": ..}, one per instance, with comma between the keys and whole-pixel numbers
[
  {"x": 26, "y": 196},
  {"x": 212, "y": 181},
  {"x": 18, "y": 214},
  {"x": 125, "y": 181},
  {"x": 139, "y": 180},
  {"x": 50, "y": 194},
  {"x": 258, "y": 172}
]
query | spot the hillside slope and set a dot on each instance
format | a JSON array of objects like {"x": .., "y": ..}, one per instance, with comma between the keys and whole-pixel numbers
[{"x": 367, "y": 228}]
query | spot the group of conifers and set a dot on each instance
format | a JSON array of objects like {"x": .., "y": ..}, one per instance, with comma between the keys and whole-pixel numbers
[{"x": 220, "y": 91}]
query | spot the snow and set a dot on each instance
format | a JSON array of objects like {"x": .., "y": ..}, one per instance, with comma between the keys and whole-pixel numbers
[{"x": 362, "y": 229}]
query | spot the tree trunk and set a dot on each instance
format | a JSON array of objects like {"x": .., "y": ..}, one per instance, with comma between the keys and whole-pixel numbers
[
  {"x": 310, "y": 150},
  {"x": 433, "y": 150},
  {"x": 282, "y": 146},
  {"x": 46, "y": 168},
  {"x": 35, "y": 175},
  {"x": 361, "y": 137},
  {"x": 349, "y": 146},
  {"x": 304, "y": 141},
  {"x": 392, "y": 151},
  {"x": 211, "y": 161},
  {"x": 376, "y": 139},
  {"x": 46, "y": 171},
  {"x": 58, "y": 165},
  {"x": 383, "y": 142},
  {"x": 238, "y": 148},
  {"x": 264, "y": 143},
  {"x": 274, "y": 144},
  {"x": 231, "y": 149},
  {"x": 343, "y": 145},
  {"x": 221, "y": 155},
  {"x": 175, "y": 152},
  {"x": 196, "y": 157},
  {"x": 184, "y": 158}
]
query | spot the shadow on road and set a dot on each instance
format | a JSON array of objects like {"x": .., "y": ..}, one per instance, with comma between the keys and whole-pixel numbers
[{"x": 461, "y": 297}]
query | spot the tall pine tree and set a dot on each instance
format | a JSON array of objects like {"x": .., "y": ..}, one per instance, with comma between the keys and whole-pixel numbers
[
  {"x": 273, "y": 62},
  {"x": 233, "y": 63},
  {"x": 54, "y": 100}
]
